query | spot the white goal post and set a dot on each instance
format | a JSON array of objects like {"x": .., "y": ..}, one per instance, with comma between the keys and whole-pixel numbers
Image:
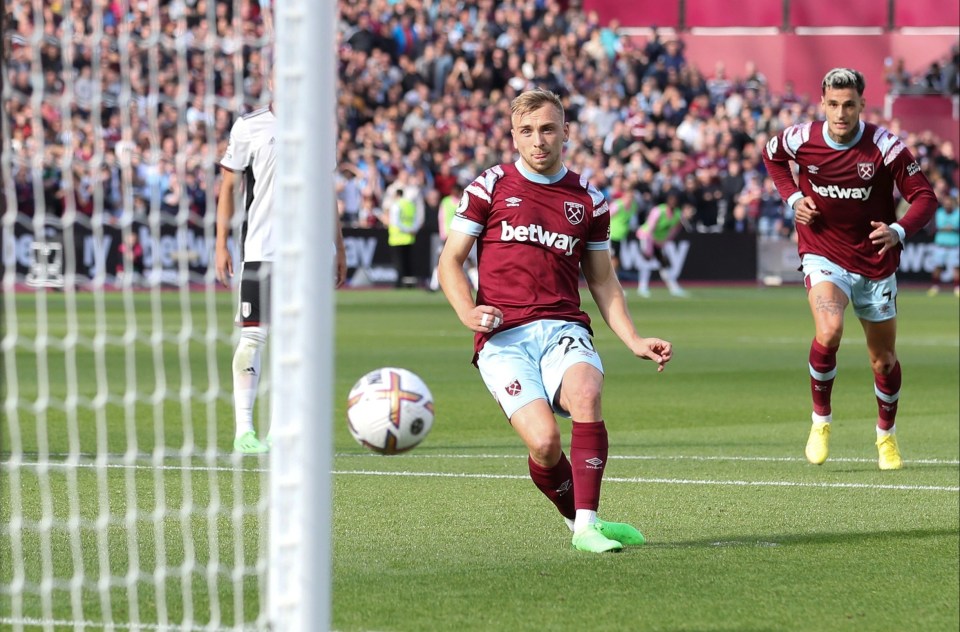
[
  {"x": 301, "y": 510},
  {"x": 123, "y": 505}
]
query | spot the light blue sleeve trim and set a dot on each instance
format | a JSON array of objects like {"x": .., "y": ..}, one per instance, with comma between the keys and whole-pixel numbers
[
  {"x": 598, "y": 245},
  {"x": 464, "y": 225},
  {"x": 898, "y": 229},
  {"x": 793, "y": 198}
]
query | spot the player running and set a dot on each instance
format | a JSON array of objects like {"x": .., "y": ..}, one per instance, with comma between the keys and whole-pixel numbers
[
  {"x": 536, "y": 226},
  {"x": 850, "y": 242}
]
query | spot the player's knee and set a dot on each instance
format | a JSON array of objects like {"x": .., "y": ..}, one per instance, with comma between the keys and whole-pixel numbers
[
  {"x": 830, "y": 335},
  {"x": 256, "y": 336},
  {"x": 582, "y": 397},
  {"x": 252, "y": 340},
  {"x": 883, "y": 363},
  {"x": 545, "y": 450}
]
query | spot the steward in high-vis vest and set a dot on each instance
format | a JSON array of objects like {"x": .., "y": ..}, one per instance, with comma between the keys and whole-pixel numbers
[
  {"x": 402, "y": 230},
  {"x": 405, "y": 220}
]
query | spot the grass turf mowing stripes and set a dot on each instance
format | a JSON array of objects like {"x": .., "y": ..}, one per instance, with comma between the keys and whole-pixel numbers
[{"x": 706, "y": 459}]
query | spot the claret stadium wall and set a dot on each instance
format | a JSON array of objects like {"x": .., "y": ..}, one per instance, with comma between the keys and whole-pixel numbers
[{"x": 797, "y": 41}]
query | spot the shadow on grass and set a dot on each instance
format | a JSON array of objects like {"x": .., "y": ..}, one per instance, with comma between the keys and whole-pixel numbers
[{"x": 775, "y": 540}]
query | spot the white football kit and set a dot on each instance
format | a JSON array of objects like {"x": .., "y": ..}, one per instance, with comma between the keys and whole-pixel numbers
[{"x": 252, "y": 152}]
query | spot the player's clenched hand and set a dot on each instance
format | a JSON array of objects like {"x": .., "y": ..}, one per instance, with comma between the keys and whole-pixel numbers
[
  {"x": 805, "y": 211},
  {"x": 484, "y": 318},
  {"x": 660, "y": 351},
  {"x": 883, "y": 236}
]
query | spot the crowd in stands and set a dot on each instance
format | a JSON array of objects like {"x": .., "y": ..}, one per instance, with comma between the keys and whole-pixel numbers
[
  {"x": 127, "y": 107},
  {"x": 942, "y": 76},
  {"x": 423, "y": 103}
]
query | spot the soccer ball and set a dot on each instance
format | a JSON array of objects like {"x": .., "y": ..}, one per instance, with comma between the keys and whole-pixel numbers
[{"x": 389, "y": 410}]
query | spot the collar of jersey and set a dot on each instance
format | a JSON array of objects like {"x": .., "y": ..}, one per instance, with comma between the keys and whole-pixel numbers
[
  {"x": 539, "y": 178},
  {"x": 835, "y": 145}
]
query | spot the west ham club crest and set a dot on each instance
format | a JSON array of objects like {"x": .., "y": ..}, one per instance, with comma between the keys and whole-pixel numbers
[
  {"x": 865, "y": 169},
  {"x": 574, "y": 212}
]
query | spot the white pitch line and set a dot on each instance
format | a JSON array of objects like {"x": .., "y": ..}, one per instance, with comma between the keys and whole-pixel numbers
[
  {"x": 665, "y": 481},
  {"x": 628, "y": 457},
  {"x": 902, "y": 341},
  {"x": 87, "y": 460},
  {"x": 611, "y": 479}
]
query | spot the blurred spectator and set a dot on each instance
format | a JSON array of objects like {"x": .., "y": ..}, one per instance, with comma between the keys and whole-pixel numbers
[
  {"x": 349, "y": 188},
  {"x": 771, "y": 220},
  {"x": 130, "y": 265},
  {"x": 420, "y": 86},
  {"x": 947, "y": 244}
]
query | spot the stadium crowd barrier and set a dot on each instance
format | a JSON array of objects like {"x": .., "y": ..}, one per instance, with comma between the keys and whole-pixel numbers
[{"x": 187, "y": 252}]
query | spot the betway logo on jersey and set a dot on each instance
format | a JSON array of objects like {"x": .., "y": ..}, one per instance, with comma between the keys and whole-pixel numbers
[
  {"x": 537, "y": 233},
  {"x": 842, "y": 193}
]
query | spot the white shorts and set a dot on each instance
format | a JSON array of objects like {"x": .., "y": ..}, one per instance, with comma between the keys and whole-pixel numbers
[
  {"x": 946, "y": 257},
  {"x": 873, "y": 301},
  {"x": 526, "y": 363}
]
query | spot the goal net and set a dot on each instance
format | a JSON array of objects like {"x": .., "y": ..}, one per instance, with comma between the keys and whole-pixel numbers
[{"x": 122, "y": 504}]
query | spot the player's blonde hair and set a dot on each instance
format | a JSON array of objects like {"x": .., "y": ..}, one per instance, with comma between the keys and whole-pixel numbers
[
  {"x": 534, "y": 100},
  {"x": 842, "y": 78}
]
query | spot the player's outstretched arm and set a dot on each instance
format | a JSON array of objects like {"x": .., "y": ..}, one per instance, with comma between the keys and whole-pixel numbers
[
  {"x": 608, "y": 294},
  {"x": 225, "y": 209},
  {"x": 456, "y": 285},
  {"x": 340, "y": 274}
]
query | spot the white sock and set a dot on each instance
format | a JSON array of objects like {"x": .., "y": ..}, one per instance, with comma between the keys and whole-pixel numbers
[
  {"x": 670, "y": 282},
  {"x": 820, "y": 420},
  {"x": 246, "y": 376},
  {"x": 643, "y": 282},
  {"x": 569, "y": 522},
  {"x": 886, "y": 433},
  {"x": 585, "y": 518}
]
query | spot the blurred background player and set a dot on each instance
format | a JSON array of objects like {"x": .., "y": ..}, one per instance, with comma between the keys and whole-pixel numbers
[
  {"x": 445, "y": 215},
  {"x": 661, "y": 227},
  {"x": 624, "y": 207},
  {"x": 251, "y": 156},
  {"x": 946, "y": 246},
  {"x": 849, "y": 241},
  {"x": 539, "y": 225}
]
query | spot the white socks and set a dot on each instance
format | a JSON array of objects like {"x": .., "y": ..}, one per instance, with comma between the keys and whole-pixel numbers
[
  {"x": 819, "y": 420},
  {"x": 881, "y": 433},
  {"x": 585, "y": 518},
  {"x": 246, "y": 375}
]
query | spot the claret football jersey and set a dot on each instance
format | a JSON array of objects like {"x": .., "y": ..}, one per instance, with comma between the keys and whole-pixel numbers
[
  {"x": 851, "y": 185},
  {"x": 532, "y": 232}
]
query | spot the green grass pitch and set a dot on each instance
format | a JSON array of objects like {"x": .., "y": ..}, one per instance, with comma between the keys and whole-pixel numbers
[{"x": 706, "y": 459}]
